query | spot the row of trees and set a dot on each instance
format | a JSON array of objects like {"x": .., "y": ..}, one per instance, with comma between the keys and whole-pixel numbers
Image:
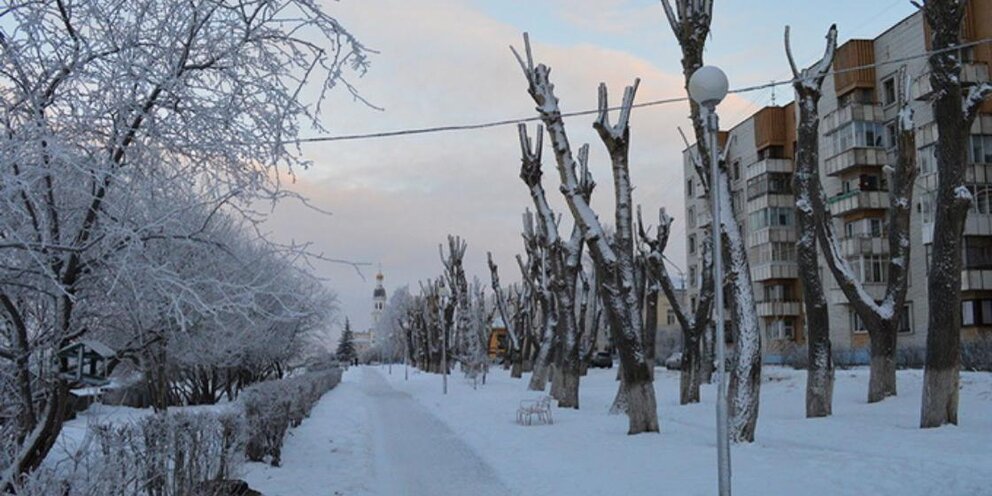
[
  {"x": 553, "y": 316},
  {"x": 954, "y": 111},
  {"x": 137, "y": 139}
]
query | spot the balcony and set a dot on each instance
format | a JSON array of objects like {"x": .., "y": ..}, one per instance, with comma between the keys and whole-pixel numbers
[
  {"x": 856, "y": 246},
  {"x": 976, "y": 279},
  {"x": 774, "y": 270},
  {"x": 770, "y": 199},
  {"x": 855, "y": 201},
  {"x": 779, "y": 308},
  {"x": 772, "y": 234},
  {"x": 768, "y": 165},
  {"x": 854, "y": 158},
  {"x": 971, "y": 73},
  {"x": 871, "y": 112},
  {"x": 978, "y": 224}
]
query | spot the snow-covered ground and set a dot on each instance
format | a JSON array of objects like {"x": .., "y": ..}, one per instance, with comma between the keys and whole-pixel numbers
[
  {"x": 861, "y": 449},
  {"x": 379, "y": 434}
]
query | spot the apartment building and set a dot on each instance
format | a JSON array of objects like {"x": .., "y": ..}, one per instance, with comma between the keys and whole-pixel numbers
[{"x": 857, "y": 131}]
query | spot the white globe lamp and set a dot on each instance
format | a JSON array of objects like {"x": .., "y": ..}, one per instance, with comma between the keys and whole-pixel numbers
[{"x": 708, "y": 86}]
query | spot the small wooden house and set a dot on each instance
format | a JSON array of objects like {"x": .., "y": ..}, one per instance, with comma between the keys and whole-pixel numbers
[
  {"x": 499, "y": 340},
  {"x": 85, "y": 362}
]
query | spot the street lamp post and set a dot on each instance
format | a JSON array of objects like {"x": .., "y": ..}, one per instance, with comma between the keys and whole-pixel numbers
[{"x": 707, "y": 87}]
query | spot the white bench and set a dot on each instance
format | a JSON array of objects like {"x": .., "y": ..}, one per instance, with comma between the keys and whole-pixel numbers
[{"x": 540, "y": 408}]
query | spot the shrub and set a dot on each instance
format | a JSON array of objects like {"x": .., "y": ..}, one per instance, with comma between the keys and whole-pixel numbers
[
  {"x": 977, "y": 355},
  {"x": 271, "y": 407},
  {"x": 164, "y": 454}
]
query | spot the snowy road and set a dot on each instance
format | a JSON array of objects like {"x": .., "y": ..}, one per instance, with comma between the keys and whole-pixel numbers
[
  {"x": 365, "y": 438},
  {"x": 416, "y": 454}
]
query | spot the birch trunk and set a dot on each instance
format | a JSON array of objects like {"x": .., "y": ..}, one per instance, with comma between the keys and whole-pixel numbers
[
  {"x": 690, "y": 23},
  {"x": 616, "y": 262}
]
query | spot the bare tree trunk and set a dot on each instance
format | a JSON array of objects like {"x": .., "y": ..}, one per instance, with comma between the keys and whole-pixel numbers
[
  {"x": 691, "y": 376},
  {"x": 806, "y": 182},
  {"x": 882, "y": 377},
  {"x": 954, "y": 118},
  {"x": 615, "y": 262},
  {"x": 706, "y": 362},
  {"x": 690, "y": 23}
]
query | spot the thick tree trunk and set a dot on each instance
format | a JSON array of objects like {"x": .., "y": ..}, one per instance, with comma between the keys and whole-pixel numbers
[
  {"x": 691, "y": 375},
  {"x": 708, "y": 354},
  {"x": 539, "y": 378},
  {"x": 882, "y": 377},
  {"x": 943, "y": 358},
  {"x": 806, "y": 181},
  {"x": 641, "y": 407},
  {"x": 569, "y": 389}
]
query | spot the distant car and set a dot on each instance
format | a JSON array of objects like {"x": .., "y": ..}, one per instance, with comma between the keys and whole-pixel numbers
[
  {"x": 601, "y": 360},
  {"x": 674, "y": 361}
]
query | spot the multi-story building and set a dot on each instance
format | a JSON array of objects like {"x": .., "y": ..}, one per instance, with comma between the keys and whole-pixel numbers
[{"x": 857, "y": 130}]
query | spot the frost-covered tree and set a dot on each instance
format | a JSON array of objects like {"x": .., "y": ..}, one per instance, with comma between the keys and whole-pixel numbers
[
  {"x": 954, "y": 109},
  {"x": 536, "y": 275},
  {"x": 510, "y": 319},
  {"x": 614, "y": 256},
  {"x": 563, "y": 259},
  {"x": 811, "y": 210},
  {"x": 690, "y": 22},
  {"x": 693, "y": 320},
  {"x": 106, "y": 102}
]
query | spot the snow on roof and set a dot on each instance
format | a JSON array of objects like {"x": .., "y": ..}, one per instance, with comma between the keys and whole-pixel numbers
[{"x": 93, "y": 345}]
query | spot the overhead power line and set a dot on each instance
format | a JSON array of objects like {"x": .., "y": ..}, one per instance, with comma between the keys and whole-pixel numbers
[{"x": 652, "y": 103}]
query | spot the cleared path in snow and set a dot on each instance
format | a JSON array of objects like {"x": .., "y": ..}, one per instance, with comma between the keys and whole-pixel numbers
[
  {"x": 365, "y": 438},
  {"x": 417, "y": 454}
]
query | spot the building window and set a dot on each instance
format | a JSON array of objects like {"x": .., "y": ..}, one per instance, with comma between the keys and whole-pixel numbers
[
  {"x": 976, "y": 312},
  {"x": 691, "y": 217},
  {"x": 736, "y": 170},
  {"x": 977, "y": 253},
  {"x": 859, "y": 95},
  {"x": 771, "y": 183},
  {"x": 858, "y": 134},
  {"x": 692, "y": 244},
  {"x": 872, "y": 227},
  {"x": 980, "y": 151},
  {"x": 692, "y": 279},
  {"x": 906, "y": 322},
  {"x": 773, "y": 252},
  {"x": 772, "y": 217},
  {"x": 927, "y": 159},
  {"x": 771, "y": 152},
  {"x": 871, "y": 269},
  {"x": 891, "y": 136},
  {"x": 889, "y": 91},
  {"x": 688, "y": 187},
  {"x": 778, "y": 292},
  {"x": 981, "y": 195},
  {"x": 670, "y": 317},
  {"x": 857, "y": 325},
  {"x": 781, "y": 329}
]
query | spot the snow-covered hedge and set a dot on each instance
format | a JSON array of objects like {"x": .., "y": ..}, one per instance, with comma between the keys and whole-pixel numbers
[
  {"x": 271, "y": 407},
  {"x": 162, "y": 455}
]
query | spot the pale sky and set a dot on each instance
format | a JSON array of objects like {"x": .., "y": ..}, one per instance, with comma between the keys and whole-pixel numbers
[{"x": 444, "y": 62}]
